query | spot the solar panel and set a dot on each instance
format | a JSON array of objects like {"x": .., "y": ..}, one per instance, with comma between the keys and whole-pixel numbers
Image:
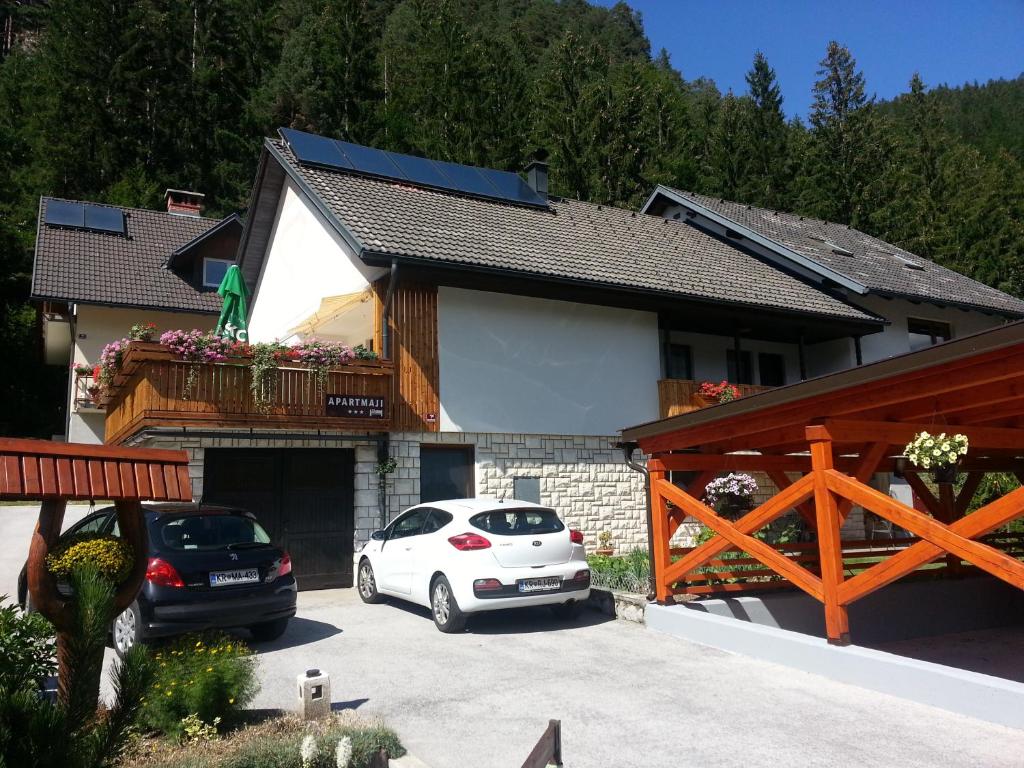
[
  {"x": 60, "y": 213},
  {"x": 466, "y": 178},
  {"x": 511, "y": 187},
  {"x": 315, "y": 150},
  {"x": 104, "y": 219},
  {"x": 419, "y": 170},
  {"x": 372, "y": 161}
]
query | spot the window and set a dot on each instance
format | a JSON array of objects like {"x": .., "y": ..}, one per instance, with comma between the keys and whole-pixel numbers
[
  {"x": 678, "y": 362},
  {"x": 436, "y": 521},
  {"x": 927, "y": 333},
  {"x": 410, "y": 524},
  {"x": 446, "y": 472},
  {"x": 92, "y": 524},
  {"x": 526, "y": 489},
  {"x": 771, "y": 369},
  {"x": 214, "y": 271},
  {"x": 518, "y": 522},
  {"x": 208, "y": 532},
  {"x": 744, "y": 375}
]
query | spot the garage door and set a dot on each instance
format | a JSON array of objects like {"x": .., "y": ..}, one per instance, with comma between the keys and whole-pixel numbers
[{"x": 303, "y": 497}]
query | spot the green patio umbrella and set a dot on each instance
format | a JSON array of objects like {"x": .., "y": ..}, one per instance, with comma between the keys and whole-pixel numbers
[{"x": 231, "y": 324}]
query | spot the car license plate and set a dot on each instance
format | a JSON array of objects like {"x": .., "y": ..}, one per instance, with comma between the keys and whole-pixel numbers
[
  {"x": 242, "y": 576},
  {"x": 540, "y": 585}
]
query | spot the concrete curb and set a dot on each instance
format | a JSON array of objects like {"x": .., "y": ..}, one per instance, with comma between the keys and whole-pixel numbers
[
  {"x": 967, "y": 693},
  {"x": 621, "y": 605}
]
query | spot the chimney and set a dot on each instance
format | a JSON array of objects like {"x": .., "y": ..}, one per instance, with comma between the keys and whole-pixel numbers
[
  {"x": 183, "y": 202},
  {"x": 537, "y": 173}
]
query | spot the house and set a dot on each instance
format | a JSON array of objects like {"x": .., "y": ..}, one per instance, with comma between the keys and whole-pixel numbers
[
  {"x": 517, "y": 334},
  {"x": 101, "y": 269}
]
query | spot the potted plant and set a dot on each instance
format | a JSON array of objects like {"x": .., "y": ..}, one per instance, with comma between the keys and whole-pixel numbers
[
  {"x": 112, "y": 557},
  {"x": 142, "y": 332},
  {"x": 604, "y": 544},
  {"x": 941, "y": 454},
  {"x": 712, "y": 394},
  {"x": 82, "y": 369},
  {"x": 731, "y": 496}
]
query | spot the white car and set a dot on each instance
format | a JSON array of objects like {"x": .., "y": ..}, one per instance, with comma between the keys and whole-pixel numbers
[{"x": 462, "y": 556}]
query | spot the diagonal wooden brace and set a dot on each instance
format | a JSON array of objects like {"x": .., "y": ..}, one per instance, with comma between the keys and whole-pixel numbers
[
  {"x": 936, "y": 538},
  {"x": 732, "y": 534}
]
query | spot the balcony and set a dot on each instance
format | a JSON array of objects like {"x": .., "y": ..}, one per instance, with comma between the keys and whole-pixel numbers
[
  {"x": 86, "y": 394},
  {"x": 154, "y": 389},
  {"x": 678, "y": 396}
]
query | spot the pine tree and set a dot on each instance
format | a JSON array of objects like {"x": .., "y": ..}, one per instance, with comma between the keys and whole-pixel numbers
[{"x": 765, "y": 139}]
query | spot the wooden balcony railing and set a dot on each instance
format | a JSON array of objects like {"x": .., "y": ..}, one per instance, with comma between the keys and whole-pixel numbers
[
  {"x": 677, "y": 396},
  {"x": 152, "y": 389}
]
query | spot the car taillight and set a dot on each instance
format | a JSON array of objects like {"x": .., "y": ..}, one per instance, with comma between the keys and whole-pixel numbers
[
  {"x": 286, "y": 565},
  {"x": 576, "y": 537},
  {"x": 582, "y": 576},
  {"x": 486, "y": 585},
  {"x": 467, "y": 542},
  {"x": 162, "y": 574}
]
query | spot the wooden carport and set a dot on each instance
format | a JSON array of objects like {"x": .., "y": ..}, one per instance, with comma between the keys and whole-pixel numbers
[
  {"x": 820, "y": 442},
  {"x": 55, "y": 473}
]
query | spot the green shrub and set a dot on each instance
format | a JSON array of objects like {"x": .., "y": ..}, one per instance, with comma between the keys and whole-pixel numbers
[
  {"x": 110, "y": 556},
  {"x": 210, "y": 675},
  {"x": 627, "y": 573},
  {"x": 27, "y": 653}
]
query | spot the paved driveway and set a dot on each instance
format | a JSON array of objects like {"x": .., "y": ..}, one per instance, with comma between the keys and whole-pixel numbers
[{"x": 626, "y": 696}]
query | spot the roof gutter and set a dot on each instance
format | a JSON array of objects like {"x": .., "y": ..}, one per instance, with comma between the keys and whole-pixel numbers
[
  {"x": 628, "y": 449},
  {"x": 765, "y": 242}
]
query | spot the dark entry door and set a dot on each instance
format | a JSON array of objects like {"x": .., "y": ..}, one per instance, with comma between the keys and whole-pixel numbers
[{"x": 304, "y": 498}]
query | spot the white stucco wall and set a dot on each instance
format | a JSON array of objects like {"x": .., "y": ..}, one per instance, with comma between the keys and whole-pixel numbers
[
  {"x": 895, "y": 339},
  {"x": 518, "y": 364},
  {"x": 95, "y": 327},
  {"x": 306, "y": 260}
]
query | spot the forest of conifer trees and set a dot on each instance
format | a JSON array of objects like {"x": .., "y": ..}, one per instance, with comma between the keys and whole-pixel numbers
[{"x": 117, "y": 101}]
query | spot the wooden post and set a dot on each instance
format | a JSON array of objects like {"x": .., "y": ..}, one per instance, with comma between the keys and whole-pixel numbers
[
  {"x": 830, "y": 549},
  {"x": 660, "y": 557},
  {"x": 947, "y": 507}
]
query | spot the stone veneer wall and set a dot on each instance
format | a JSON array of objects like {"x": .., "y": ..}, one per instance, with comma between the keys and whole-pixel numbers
[{"x": 583, "y": 478}]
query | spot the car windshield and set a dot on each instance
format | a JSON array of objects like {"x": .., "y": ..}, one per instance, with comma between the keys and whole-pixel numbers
[
  {"x": 209, "y": 532},
  {"x": 518, "y": 522}
]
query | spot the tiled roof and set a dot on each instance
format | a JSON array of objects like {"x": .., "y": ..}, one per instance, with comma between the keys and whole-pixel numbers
[
  {"x": 573, "y": 241},
  {"x": 91, "y": 267},
  {"x": 873, "y": 263}
]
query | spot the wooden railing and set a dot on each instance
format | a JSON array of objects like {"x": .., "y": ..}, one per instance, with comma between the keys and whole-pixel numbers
[
  {"x": 678, "y": 396},
  {"x": 153, "y": 388}
]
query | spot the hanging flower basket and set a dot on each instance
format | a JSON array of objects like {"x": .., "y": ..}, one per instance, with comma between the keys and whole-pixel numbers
[
  {"x": 732, "y": 496},
  {"x": 941, "y": 454}
]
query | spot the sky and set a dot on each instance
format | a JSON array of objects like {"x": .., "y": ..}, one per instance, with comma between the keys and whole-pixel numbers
[{"x": 947, "y": 41}]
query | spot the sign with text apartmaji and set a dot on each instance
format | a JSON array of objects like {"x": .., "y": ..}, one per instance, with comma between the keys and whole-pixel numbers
[{"x": 356, "y": 406}]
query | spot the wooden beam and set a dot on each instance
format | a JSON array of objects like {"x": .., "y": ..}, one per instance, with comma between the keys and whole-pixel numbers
[
  {"x": 806, "y": 511},
  {"x": 936, "y": 538},
  {"x": 966, "y": 495},
  {"x": 897, "y": 433},
  {"x": 871, "y": 459},
  {"x": 750, "y": 522},
  {"x": 768, "y": 555},
  {"x": 837, "y": 625},
  {"x": 660, "y": 533},
  {"x": 923, "y": 491}
]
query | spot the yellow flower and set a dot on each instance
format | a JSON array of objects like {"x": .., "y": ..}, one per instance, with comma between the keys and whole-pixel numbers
[
  {"x": 231, "y": 701},
  {"x": 168, "y": 693},
  {"x": 209, "y": 669},
  {"x": 199, "y": 643}
]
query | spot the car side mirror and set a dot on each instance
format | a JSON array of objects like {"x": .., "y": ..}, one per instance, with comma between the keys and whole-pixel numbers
[{"x": 377, "y": 535}]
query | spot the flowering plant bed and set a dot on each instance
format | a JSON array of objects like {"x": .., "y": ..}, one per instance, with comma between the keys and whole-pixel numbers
[{"x": 722, "y": 392}]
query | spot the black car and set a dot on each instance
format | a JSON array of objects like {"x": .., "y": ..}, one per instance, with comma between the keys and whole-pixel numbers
[{"x": 208, "y": 567}]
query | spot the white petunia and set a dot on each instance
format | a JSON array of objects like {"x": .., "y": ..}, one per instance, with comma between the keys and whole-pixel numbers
[
  {"x": 952, "y": 457},
  {"x": 936, "y": 452},
  {"x": 945, "y": 446},
  {"x": 925, "y": 462}
]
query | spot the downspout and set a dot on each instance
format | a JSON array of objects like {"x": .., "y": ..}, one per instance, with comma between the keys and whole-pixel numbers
[
  {"x": 385, "y": 330},
  {"x": 627, "y": 454}
]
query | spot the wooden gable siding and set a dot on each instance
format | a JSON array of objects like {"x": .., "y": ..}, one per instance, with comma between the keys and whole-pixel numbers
[{"x": 414, "y": 351}]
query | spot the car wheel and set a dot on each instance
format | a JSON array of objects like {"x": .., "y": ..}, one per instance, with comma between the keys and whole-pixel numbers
[
  {"x": 443, "y": 607},
  {"x": 269, "y": 630},
  {"x": 567, "y": 611},
  {"x": 367, "y": 583},
  {"x": 127, "y": 629}
]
